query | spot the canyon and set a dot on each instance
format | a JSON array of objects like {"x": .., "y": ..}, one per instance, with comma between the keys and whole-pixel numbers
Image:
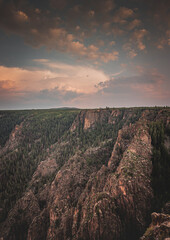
[{"x": 90, "y": 174}]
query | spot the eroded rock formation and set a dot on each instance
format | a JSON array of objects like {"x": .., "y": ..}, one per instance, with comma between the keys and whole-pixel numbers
[{"x": 92, "y": 201}]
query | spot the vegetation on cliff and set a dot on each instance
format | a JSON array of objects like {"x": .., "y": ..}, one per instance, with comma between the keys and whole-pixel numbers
[
  {"x": 39, "y": 130},
  {"x": 90, "y": 174}
]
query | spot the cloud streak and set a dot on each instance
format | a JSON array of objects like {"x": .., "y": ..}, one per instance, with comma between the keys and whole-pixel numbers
[
  {"x": 80, "y": 79},
  {"x": 80, "y": 86}
]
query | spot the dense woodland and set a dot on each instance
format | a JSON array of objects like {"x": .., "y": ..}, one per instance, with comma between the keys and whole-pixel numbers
[{"x": 41, "y": 129}]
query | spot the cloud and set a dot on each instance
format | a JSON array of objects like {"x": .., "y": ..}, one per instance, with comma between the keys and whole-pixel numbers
[
  {"x": 6, "y": 85},
  {"x": 45, "y": 98},
  {"x": 82, "y": 86},
  {"x": 22, "y": 16},
  {"x": 116, "y": 31},
  {"x": 60, "y": 39},
  {"x": 138, "y": 37},
  {"x": 105, "y": 5},
  {"x": 91, "y": 13},
  {"x": 168, "y": 36},
  {"x": 59, "y": 4},
  {"x": 40, "y": 28},
  {"x": 52, "y": 97},
  {"x": 130, "y": 51},
  {"x": 148, "y": 83},
  {"x": 145, "y": 88},
  {"x": 35, "y": 88},
  {"x": 80, "y": 79},
  {"x": 136, "y": 42},
  {"x": 57, "y": 85},
  {"x": 163, "y": 41},
  {"x": 72, "y": 27},
  {"x": 133, "y": 24},
  {"x": 122, "y": 14}
]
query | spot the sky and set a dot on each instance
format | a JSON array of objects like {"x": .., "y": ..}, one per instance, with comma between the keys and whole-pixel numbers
[{"x": 84, "y": 53}]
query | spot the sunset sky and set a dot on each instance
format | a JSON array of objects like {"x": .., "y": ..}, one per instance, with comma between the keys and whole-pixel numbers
[{"x": 84, "y": 53}]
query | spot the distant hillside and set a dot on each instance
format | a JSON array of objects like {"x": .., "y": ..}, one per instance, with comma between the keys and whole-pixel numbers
[{"x": 83, "y": 174}]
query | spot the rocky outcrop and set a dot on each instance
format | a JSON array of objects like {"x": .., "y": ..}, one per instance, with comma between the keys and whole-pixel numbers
[
  {"x": 88, "y": 119},
  {"x": 14, "y": 140},
  {"x": 20, "y": 217},
  {"x": 44, "y": 169},
  {"x": 93, "y": 201},
  {"x": 38, "y": 227},
  {"x": 159, "y": 228},
  {"x": 115, "y": 202}
]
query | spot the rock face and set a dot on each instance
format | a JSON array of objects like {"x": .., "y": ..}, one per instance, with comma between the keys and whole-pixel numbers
[
  {"x": 88, "y": 119},
  {"x": 160, "y": 226},
  {"x": 93, "y": 201},
  {"x": 14, "y": 140},
  {"x": 114, "y": 201},
  {"x": 21, "y": 216}
]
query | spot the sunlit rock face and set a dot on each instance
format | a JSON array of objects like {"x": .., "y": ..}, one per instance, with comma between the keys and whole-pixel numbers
[{"x": 98, "y": 192}]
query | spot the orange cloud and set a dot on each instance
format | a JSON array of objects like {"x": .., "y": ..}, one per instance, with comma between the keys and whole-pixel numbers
[
  {"x": 91, "y": 13},
  {"x": 163, "y": 41},
  {"x": 122, "y": 14},
  {"x": 21, "y": 16},
  {"x": 133, "y": 24},
  {"x": 136, "y": 42},
  {"x": 7, "y": 84},
  {"x": 138, "y": 37},
  {"x": 80, "y": 79},
  {"x": 59, "y": 38},
  {"x": 130, "y": 51}
]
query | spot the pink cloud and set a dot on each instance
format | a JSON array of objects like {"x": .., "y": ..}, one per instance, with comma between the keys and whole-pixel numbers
[{"x": 80, "y": 79}]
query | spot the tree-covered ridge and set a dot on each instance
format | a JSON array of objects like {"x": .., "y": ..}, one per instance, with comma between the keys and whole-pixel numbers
[
  {"x": 47, "y": 134},
  {"x": 40, "y": 129},
  {"x": 8, "y": 121}
]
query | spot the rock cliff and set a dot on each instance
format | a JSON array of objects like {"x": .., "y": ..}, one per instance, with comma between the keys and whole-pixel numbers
[
  {"x": 101, "y": 190},
  {"x": 160, "y": 225}
]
